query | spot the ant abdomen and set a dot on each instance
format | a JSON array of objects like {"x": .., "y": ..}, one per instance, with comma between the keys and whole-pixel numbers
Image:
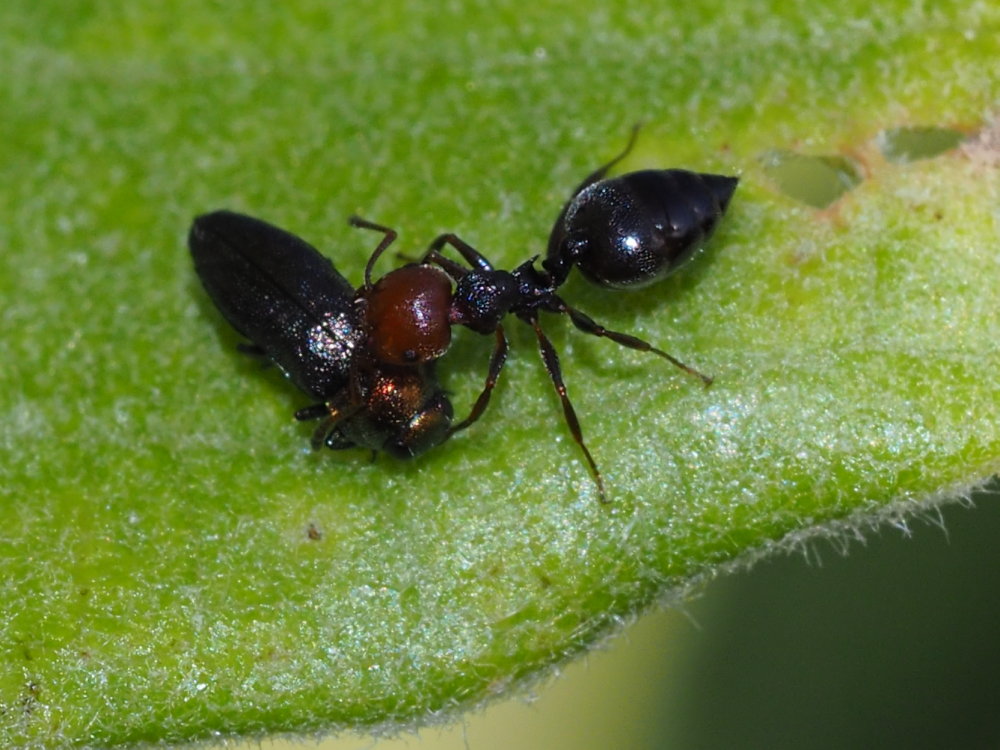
[{"x": 629, "y": 231}]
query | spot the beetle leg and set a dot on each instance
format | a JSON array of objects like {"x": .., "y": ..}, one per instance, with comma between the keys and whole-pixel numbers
[
  {"x": 331, "y": 415},
  {"x": 321, "y": 435}
]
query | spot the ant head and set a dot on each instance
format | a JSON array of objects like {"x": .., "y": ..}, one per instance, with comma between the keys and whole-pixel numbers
[
  {"x": 404, "y": 411},
  {"x": 407, "y": 315},
  {"x": 429, "y": 426},
  {"x": 483, "y": 298}
]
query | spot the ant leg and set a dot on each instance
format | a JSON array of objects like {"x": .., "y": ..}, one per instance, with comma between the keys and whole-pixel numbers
[
  {"x": 587, "y": 325},
  {"x": 472, "y": 256},
  {"x": 388, "y": 239},
  {"x": 496, "y": 365},
  {"x": 450, "y": 267},
  {"x": 453, "y": 269},
  {"x": 551, "y": 361}
]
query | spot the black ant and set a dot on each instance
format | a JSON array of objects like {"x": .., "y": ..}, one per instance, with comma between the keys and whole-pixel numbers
[
  {"x": 623, "y": 232},
  {"x": 369, "y": 354}
]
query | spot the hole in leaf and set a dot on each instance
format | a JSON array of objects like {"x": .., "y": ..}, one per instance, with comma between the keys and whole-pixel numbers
[
  {"x": 912, "y": 143},
  {"x": 815, "y": 180}
]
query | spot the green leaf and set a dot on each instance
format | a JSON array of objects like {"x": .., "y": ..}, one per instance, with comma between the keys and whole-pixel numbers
[{"x": 175, "y": 563}]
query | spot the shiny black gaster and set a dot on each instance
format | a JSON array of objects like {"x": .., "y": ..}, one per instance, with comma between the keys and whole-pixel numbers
[{"x": 630, "y": 231}]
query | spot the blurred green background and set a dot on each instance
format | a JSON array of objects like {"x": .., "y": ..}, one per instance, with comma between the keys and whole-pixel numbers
[{"x": 892, "y": 644}]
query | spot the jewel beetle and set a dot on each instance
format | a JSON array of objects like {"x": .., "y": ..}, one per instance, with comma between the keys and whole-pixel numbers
[{"x": 297, "y": 311}]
